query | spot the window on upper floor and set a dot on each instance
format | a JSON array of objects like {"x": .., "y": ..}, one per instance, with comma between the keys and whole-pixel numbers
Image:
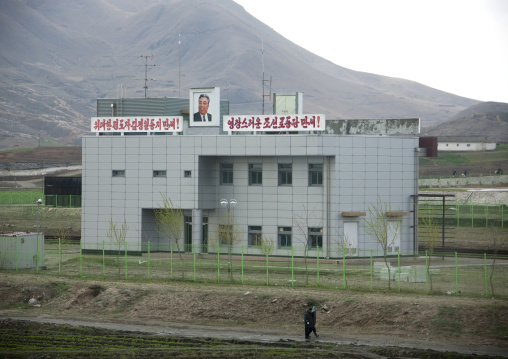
[
  {"x": 159, "y": 173},
  {"x": 315, "y": 174},
  {"x": 226, "y": 173},
  {"x": 285, "y": 174},
  {"x": 255, "y": 174}
]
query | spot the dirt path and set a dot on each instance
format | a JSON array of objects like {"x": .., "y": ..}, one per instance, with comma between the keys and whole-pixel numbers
[
  {"x": 261, "y": 314},
  {"x": 360, "y": 343}
]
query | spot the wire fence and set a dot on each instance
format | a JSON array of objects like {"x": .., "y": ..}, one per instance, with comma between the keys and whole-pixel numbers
[
  {"x": 467, "y": 214},
  {"x": 448, "y": 273}
]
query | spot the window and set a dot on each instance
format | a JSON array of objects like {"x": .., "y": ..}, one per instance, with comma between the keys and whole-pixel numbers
[
  {"x": 226, "y": 173},
  {"x": 118, "y": 173},
  {"x": 255, "y": 174},
  {"x": 159, "y": 173},
  {"x": 187, "y": 173},
  {"x": 285, "y": 174},
  {"x": 315, "y": 174},
  {"x": 255, "y": 235},
  {"x": 284, "y": 237},
  {"x": 468, "y": 145},
  {"x": 315, "y": 237}
]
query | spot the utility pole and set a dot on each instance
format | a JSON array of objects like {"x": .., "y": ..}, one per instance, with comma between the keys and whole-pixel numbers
[
  {"x": 179, "y": 58},
  {"x": 146, "y": 70},
  {"x": 263, "y": 79}
]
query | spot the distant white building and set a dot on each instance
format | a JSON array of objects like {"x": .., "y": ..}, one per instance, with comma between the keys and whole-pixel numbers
[{"x": 463, "y": 144}]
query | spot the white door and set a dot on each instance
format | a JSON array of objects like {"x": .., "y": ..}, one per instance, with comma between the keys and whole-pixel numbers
[
  {"x": 393, "y": 237},
  {"x": 350, "y": 240}
]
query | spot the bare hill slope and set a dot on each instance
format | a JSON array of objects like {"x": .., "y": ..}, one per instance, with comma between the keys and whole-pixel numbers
[
  {"x": 59, "y": 56},
  {"x": 488, "y": 119}
]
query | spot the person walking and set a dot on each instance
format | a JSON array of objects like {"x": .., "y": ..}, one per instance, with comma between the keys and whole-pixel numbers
[
  {"x": 314, "y": 312},
  {"x": 307, "y": 318}
]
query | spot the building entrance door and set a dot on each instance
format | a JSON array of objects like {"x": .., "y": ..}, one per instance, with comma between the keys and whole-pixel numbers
[
  {"x": 187, "y": 247},
  {"x": 350, "y": 242}
]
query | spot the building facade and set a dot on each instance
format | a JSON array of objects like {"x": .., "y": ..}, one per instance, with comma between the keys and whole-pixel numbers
[{"x": 306, "y": 191}]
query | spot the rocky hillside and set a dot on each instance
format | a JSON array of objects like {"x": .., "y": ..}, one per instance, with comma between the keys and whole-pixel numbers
[{"x": 59, "y": 56}]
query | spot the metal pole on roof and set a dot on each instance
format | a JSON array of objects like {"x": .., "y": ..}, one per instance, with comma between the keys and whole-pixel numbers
[{"x": 179, "y": 61}]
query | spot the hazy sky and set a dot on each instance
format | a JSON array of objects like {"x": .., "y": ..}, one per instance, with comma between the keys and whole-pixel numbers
[{"x": 458, "y": 46}]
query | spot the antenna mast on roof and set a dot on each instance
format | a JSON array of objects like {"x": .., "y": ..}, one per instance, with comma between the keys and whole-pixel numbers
[
  {"x": 146, "y": 70},
  {"x": 263, "y": 80},
  {"x": 179, "y": 58}
]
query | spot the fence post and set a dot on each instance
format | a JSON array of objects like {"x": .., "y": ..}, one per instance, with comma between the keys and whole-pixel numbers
[
  {"x": 292, "y": 267},
  {"x": 486, "y": 281},
  {"x": 125, "y": 261},
  {"x": 426, "y": 273},
  {"x": 317, "y": 262},
  {"x": 371, "y": 271},
  {"x": 103, "y": 261},
  {"x": 398, "y": 264},
  {"x": 80, "y": 257},
  {"x": 59, "y": 256},
  {"x": 456, "y": 275},
  {"x": 218, "y": 263},
  {"x": 148, "y": 260},
  {"x": 171, "y": 260},
  {"x": 37, "y": 257},
  {"x": 344, "y": 266},
  {"x": 242, "y": 263},
  {"x": 267, "y": 275},
  {"x": 194, "y": 252},
  {"x": 17, "y": 253}
]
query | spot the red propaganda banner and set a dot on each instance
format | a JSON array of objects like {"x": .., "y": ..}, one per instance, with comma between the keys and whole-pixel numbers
[
  {"x": 274, "y": 123},
  {"x": 137, "y": 124}
]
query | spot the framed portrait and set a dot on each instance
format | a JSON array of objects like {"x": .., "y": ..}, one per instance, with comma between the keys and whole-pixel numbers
[{"x": 204, "y": 107}]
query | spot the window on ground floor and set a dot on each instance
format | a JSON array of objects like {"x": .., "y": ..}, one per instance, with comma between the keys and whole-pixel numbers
[
  {"x": 315, "y": 237},
  {"x": 255, "y": 235},
  {"x": 284, "y": 237}
]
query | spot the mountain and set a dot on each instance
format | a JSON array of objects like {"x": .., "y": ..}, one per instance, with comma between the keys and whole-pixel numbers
[
  {"x": 58, "y": 56},
  {"x": 487, "y": 119}
]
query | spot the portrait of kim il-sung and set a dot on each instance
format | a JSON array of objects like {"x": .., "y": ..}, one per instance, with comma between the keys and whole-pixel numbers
[{"x": 204, "y": 107}]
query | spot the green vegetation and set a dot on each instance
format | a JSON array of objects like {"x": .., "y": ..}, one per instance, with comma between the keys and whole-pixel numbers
[
  {"x": 477, "y": 163},
  {"x": 30, "y": 149}
]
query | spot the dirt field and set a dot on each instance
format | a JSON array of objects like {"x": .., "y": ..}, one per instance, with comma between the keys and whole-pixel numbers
[{"x": 258, "y": 314}]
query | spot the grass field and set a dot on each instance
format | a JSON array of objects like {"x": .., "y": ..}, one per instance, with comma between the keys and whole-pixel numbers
[{"x": 476, "y": 163}]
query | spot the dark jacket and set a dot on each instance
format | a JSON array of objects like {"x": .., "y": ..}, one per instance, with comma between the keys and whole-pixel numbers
[
  {"x": 309, "y": 322},
  {"x": 197, "y": 117}
]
